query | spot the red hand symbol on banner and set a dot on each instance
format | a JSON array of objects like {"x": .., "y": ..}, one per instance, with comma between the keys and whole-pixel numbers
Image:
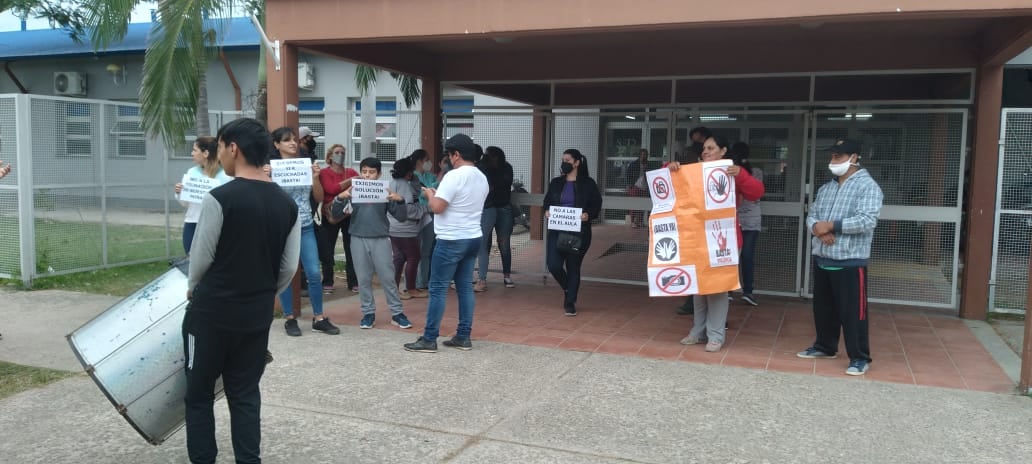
[{"x": 719, "y": 235}]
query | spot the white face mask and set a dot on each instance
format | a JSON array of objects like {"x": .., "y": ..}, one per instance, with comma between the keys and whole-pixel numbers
[
  {"x": 839, "y": 168},
  {"x": 427, "y": 166},
  {"x": 337, "y": 159}
]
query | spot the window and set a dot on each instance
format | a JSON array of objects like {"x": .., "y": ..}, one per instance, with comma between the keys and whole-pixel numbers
[
  {"x": 126, "y": 138},
  {"x": 458, "y": 116},
  {"x": 78, "y": 129},
  {"x": 386, "y": 130}
]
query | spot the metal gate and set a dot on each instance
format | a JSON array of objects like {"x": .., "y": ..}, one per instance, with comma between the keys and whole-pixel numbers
[
  {"x": 917, "y": 157},
  {"x": 1009, "y": 279}
]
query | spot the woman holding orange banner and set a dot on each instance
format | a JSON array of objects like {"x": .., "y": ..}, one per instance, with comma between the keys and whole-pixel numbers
[
  {"x": 573, "y": 189},
  {"x": 711, "y": 310}
]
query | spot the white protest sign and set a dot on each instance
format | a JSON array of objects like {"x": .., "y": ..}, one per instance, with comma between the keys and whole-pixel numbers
[
  {"x": 661, "y": 189},
  {"x": 368, "y": 191},
  {"x": 562, "y": 218},
  {"x": 195, "y": 188},
  {"x": 293, "y": 172},
  {"x": 720, "y": 187},
  {"x": 665, "y": 247},
  {"x": 673, "y": 281},
  {"x": 722, "y": 242}
]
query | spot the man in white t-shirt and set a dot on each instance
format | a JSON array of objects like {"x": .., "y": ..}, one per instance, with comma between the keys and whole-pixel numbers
[{"x": 457, "y": 204}]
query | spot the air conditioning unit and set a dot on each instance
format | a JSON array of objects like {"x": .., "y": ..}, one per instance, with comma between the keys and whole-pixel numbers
[
  {"x": 305, "y": 76},
  {"x": 70, "y": 83}
]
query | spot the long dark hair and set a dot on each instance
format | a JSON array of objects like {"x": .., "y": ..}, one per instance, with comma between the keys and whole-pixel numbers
[
  {"x": 280, "y": 135},
  {"x": 494, "y": 157},
  {"x": 402, "y": 168},
  {"x": 418, "y": 155},
  {"x": 574, "y": 153},
  {"x": 739, "y": 154}
]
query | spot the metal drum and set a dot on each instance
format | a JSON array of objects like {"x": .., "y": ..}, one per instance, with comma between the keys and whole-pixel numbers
[{"x": 134, "y": 352}]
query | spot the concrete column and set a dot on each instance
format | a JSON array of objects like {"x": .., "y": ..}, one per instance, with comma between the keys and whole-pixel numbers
[
  {"x": 432, "y": 128},
  {"x": 538, "y": 158},
  {"x": 283, "y": 100},
  {"x": 982, "y": 194}
]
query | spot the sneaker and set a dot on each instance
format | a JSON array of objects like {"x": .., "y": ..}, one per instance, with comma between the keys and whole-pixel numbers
[
  {"x": 418, "y": 293},
  {"x": 713, "y": 347},
  {"x": 509, "y": 283},
  {"x": 367, "y": 321},
  {"x": 327, "y": 289},
  {"x": 401, "y": 321},
  {"x": 748, "y": 299},
  {"x": 856, "y": 367},
  {"x": 325, "y": 326},
  {"x": 814, "y": 353},
  {"x": 480, "y": 286},
  {"x": 570, "y": 309},
  {"x": 422, "y": 346},
  {"x": 404, "y": 294},
  {"x": 268, "y": 357},
  {"x": 688, "y": 308},
  {"x": 354, "y": 289},
  {"x": 690, "y": 340},
  {"x": 291, "y": 327},
  {"x": 460, "y": 343}
]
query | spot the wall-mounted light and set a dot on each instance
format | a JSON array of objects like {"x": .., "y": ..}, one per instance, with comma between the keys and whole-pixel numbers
[{"x": 117, "y": 73}]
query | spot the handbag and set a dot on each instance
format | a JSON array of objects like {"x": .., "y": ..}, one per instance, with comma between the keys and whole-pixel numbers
[{"x": 568, "y": 243}]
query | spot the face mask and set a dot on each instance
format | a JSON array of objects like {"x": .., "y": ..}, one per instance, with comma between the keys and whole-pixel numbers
[
  {"x": 566, "y": 168},
  {"x": 427, "y": 166},
  {"x": 839, "y": 168},
  {"x": 337, "y": 159}
]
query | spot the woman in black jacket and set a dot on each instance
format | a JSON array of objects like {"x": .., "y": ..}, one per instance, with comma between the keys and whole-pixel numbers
[{"x": 574, "y": 188}]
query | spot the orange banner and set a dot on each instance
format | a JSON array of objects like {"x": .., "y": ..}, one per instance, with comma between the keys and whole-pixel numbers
[{"x": 692, "y": 230}]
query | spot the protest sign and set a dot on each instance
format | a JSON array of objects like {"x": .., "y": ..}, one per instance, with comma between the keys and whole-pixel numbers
[
  {"x": 661, "y": 190},
  {"x": 195, "y": 187},
  {"x": 562, "y": 218},
  {"x": 368, "y": 191},
  {"x": 293, "y": 172}
]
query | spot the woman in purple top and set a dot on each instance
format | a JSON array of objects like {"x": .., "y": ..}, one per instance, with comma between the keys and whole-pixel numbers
[{"x": 574, "y": 189}]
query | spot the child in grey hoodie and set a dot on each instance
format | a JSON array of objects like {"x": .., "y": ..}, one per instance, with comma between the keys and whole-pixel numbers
[{"x": 371, "y": 246}]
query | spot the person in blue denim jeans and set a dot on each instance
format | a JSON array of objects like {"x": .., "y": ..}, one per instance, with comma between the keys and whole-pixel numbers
[
  {"x": 750, "y": 218},
  {"x": 497, "y": 216},
  {"x": 285, "y": 142},
  {"x": 457, "y": 204}
]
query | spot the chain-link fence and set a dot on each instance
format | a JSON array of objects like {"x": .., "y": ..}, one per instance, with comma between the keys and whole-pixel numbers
[
  {"x": 1014, "y": 213},
  {"x": 89, "y": 190},
  {"x": 916, "y": 156}
]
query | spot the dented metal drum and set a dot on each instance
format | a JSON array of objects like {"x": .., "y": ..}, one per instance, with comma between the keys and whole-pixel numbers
[{"x": 134, "y": 352}]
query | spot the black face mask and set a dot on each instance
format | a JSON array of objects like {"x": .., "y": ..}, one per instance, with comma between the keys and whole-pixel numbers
[{"x": 566, "y": 168}]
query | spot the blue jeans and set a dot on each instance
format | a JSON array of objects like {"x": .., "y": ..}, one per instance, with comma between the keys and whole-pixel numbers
[
  {"x": 310, "y": 260},
  {"x": 452, "y": 260},
  {"x": 747, "y": 259},
  {"x": 499, "y": 220},
  {"x": 188, "y": 232}
]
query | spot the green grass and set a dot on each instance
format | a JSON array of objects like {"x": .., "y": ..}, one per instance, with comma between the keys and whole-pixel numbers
[
  {"x": 118, "y": 281},
  {"x": 15, "y": 378},
  {"x": 1004, "y": 317},
  {"x": 62, "y": 246}
]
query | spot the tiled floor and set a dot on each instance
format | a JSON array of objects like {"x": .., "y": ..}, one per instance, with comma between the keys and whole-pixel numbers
[{"x": 908, "y": 346}]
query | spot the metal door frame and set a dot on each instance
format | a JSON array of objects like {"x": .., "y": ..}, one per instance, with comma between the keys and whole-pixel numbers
[
  {"x": 1000, "y": 211},
  {"x": 898, "y": 212}
]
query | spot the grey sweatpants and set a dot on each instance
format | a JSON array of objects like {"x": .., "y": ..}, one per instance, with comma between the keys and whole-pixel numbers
[
  {"x": 710, "y": 317},
  {"x": 375, "y": 255}
]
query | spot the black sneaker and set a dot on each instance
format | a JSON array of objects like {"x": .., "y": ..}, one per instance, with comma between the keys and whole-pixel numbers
[
  {"x": 570, "y": 309},
  {"x": 268, "y": 357},
  {"x": 325, "y": 326},
  {"x": 814, "y": 353},
  {"x": 688, "y": 308},
  {"x": 457, "y": 342},
  {"x": 750, "y": 300},
  {"x": 291, "y": 327},
  {"x": 422, "y": 346},
  {"x": 401, "y": 321}
]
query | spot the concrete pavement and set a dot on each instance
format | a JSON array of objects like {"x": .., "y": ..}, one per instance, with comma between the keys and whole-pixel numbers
[{"x": 358, "y": 398}]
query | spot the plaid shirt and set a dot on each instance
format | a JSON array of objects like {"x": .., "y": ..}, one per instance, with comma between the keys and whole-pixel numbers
[{"x": 853, "y": 207}]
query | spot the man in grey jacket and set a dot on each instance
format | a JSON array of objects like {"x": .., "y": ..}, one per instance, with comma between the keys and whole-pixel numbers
[{"x": 842, "y": 220}]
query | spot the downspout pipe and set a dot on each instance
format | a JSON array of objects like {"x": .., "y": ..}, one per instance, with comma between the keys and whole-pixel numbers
[
  {"x": 10, "y": 73},
  {"x": 232, "y": 80}
]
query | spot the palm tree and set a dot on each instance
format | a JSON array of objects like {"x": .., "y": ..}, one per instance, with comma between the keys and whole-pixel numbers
[
  {"x": 173, "y": 94},
  {"x": 365, "y": 80}
]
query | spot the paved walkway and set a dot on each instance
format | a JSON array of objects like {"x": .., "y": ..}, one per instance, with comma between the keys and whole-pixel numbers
[{"x": 359, "y": 398}]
